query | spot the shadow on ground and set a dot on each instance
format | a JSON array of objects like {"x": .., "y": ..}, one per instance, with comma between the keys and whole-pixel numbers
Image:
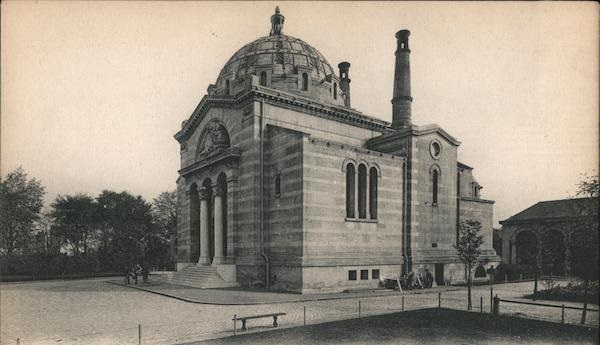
[{"x": 428, "y": 326}]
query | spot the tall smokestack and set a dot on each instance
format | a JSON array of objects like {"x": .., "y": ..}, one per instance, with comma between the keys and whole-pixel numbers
[
  {"x": 345, "y": 81},
  {"x": 401, "y": 103}
]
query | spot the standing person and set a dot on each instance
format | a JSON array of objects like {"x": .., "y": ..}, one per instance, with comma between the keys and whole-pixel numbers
[
  {"x": 137, "y": 270},
  {"x": 126, "y": 274},
  {"x": 428, "y": 279}
]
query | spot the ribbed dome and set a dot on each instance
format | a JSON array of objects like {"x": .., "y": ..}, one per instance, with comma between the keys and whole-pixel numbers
[
  {"x": 281, "y": 62},
  {"x": 286, "y": 51}
]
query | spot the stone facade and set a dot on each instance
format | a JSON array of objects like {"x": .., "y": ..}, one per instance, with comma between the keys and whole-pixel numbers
[{"x": 288, "y": 186}]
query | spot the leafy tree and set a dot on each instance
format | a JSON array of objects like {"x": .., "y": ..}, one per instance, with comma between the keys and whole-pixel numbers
[
  {"x": 46, "y": 240},
  {"x": 469, "y": 242},
  {"x": 74, "y": 217},
  {"x": 21, "y": 200},
  {"x": 126, "y": 228},
  {"x": 164, "y": 212}
]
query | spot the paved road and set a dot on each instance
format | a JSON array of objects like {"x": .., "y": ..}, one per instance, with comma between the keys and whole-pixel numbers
[{"x": 94, "y": 312}]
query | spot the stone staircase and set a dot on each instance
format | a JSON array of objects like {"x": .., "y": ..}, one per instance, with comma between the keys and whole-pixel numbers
[{"x": 200, "y": 276}]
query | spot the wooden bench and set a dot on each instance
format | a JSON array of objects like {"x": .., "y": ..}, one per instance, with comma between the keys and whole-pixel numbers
[{"x": 244, "y": 318}]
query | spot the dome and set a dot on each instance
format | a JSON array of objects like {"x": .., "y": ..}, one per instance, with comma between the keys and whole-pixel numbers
[
  {"x": 281, "y": 62},
  {"x": 286, "y": 51}
]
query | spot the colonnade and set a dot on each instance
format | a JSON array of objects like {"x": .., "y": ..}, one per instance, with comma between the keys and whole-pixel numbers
[{"x": 218, "y": 224}]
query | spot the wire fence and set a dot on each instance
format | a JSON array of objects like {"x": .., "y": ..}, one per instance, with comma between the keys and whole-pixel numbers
[{"x": 315, "y": 312}]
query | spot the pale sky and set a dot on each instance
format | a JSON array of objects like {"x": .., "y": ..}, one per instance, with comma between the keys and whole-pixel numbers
[{"x": 93, "y": 92}]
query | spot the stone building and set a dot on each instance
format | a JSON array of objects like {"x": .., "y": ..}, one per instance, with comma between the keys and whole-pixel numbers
[
  {"x": 549, "y": 235},
  {"x": 283, "y": 183}
]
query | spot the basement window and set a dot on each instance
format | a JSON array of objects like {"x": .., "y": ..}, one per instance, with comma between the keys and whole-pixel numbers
[
  {"x": 364, "y": 274},
  {"x": 352, "y": 275},
  {"x": 375, "y": 274}
]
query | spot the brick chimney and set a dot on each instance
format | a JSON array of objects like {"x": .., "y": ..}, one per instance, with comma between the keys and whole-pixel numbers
[{"x": 401, "y": 103}]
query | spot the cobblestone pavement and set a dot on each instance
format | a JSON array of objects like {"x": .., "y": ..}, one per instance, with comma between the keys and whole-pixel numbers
[{"x": 95, "y": 312}]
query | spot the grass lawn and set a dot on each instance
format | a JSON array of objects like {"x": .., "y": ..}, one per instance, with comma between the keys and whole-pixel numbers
[{"x": 427, "y": 326}]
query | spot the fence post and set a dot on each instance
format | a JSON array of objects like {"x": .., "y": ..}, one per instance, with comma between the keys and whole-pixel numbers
[
  {"x": 496, "y": 306},
  {"x": 359, "y": 309},
  {"x": 402, "y": 303},
  {"x": 520, "y": 276},
  {"x": 562, "y": 318},
  {"x": 139, "y": 334},
  {"x": 481, "y": 304},
  {"x": 439, "y": 299},
  {"x": 304, "y": 315},
  {"x": 505, "y": 277},
  {"x": 234, "y": 323}
]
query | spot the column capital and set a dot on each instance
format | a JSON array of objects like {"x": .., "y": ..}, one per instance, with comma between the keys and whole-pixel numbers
[
  {"x": 218, "y": 191},
  {"x": 203, "y": 194}
]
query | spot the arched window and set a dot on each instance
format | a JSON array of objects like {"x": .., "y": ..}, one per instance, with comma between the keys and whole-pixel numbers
[
  {"x": 263, "y": 78},
  {"x": 480, "y": 272},
  {"x": 304, "y": 82},
  {"x": 362, "y": 191},
  {"x": 373, "y": 193},
  {"x": 334, "y": 90},
  {"x": 350, "y": 176},
  {"x": 435, "y": 187},
  {"x": 227, "y": 90},
  {"x": 278, "y": 185}
]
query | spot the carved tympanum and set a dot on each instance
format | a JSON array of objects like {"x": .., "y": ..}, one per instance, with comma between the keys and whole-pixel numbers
[{"x": 214, "y": 139}]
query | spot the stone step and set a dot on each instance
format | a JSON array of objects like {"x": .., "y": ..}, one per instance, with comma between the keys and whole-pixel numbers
[{"x": 200, "y": 276}]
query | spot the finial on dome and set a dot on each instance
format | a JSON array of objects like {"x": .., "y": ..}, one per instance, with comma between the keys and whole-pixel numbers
[{"x": 277, "y": 22}]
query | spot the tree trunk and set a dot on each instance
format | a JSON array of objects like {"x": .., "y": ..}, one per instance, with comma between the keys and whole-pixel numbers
[
  {"x": 469, "y": 305},
  {"x": 85, "y": 243},
  {"x": 585, "y": 292},
  {"x": 535, "y": 284}
]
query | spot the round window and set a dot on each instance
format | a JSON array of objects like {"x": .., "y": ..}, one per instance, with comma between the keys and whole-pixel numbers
[{"x": 435, "y": 148}]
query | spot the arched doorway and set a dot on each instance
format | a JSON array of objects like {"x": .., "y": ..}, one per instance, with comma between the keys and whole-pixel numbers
[
  {"x": 553, "y": 252},
  {"x": 194, "y": 245},
  {"x": 480, "y": 272},
  {"x": 222, "y": 187},
  {"x": 207, "y": 195},
  {"x": 584, "y": 244},
  {"x": 526, "y": 247}
]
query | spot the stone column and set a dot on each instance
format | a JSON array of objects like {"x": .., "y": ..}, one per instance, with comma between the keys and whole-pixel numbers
[
  {"x": 204, "y": 251},
  {"x": 567, "y": 243},
  {"x": 513, "y": 252},
  {"x": 218, "y": 217}
]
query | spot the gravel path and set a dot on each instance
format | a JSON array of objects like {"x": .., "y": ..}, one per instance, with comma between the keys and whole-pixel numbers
[{"x": 95, "y": 312}]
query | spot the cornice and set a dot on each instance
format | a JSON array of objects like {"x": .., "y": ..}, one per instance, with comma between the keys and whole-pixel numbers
[
  {"x": 331, "y": 112},
  {"x": 483, "y": 201},
  {"x": 571, "y": 220},
  {"x": 413, "y": 131},
  {"x": 232, "y": 153},
  {"x": 202, "y": 108},
  {"x": 285, "y": 100}
]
